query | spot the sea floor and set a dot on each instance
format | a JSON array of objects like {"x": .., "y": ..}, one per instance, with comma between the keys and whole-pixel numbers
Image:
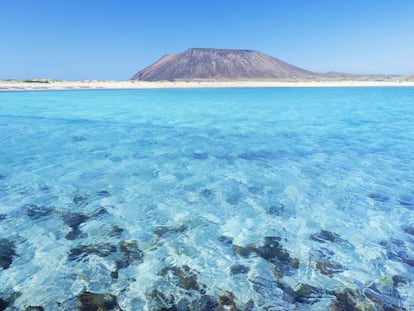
[{"x": 207, "y": 199}]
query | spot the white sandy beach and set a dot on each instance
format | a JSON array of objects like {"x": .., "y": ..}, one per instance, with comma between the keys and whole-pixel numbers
[{"x": 6, "y": 85}]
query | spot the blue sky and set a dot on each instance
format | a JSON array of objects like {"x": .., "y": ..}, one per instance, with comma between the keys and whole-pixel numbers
[{"x": 113, "y": 39}]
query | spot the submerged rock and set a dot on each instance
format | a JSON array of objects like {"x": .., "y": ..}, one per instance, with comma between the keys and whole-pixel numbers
[
  {"x": 7, "y": 252},
  {"x": 205, "y": 303},
  {"x": 399, "y": 279},
  {"x": 248, "y": 306},
  {"x": 199, "y": 155},
  {"x": 409, "y": 230},
  {"x": 324, "y": 236},
  {"x": 182, "y": 276},
  {"x": 2, "y": 177},
  {"x": 323, "y": 261},
  {"x": 183, "y": 305},
  {"x": 75, "y": 233},
  {"x": 114, "y": 274},
  {"x": 97, "y": 302},
  {"x": 258, "y": 155},
  {"x": 370, "y": 299},
  {"x": 34, "y": 308},
  {"x": 159, "y": 301},
  {"x": 294, "y": 263},
  {"x": 398, "y": 251},
  {"x": 407, "y": 201},
  {"x": 386, "y": 298},
  {"x": 233, "y": 195},
  {"x": 271, "y": 251},
  {"x": 409, "y": 261},
  {"x": 239, "y": 269},
  {"x": 225, "y": 240},
  {"x": 34, "y": 211},
  {"x": 378, "y": 197},
  {"x": 76, "y": 139},
  {"x": 3, "y": 304},
  {"x": 80, "y": 200},
  {"x": 124, "y": 255},
  {"x": 346, "y": 301},
  {"x": 99, "y": 212},
  {"x": 104, "y": 193},
  {"x": 116, "y": 231},
  {"x": 74, "y": 220},
  {"x": 189, "y": 282},
  {"x": 81, "y": 251},
  {"x": 3, "y": 216},
  {"x": 44, "y": 188},
  {"x": 7, "y": 300},
  {"x": 305, "y": 293},
  {"x": 289, "y": 293},
  {"x": 207, "y": 193},
  {"x": 226, "y": 302},
  {"x": 161, "y": 231},
  {"x": 131, "y": 253},
  {"x": 329, "y": 267},
  {"x": 277, "y": 209}
]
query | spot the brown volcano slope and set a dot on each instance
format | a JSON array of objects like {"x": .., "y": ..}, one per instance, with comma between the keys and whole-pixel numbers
[{"x": 221, "y": 64}]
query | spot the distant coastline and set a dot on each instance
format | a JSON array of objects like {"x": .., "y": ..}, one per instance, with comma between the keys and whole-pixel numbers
[{"x": 51, "y": 84}]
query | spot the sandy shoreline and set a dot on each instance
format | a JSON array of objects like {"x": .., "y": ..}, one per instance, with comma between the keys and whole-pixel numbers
[{"x": 9, "y": 85}]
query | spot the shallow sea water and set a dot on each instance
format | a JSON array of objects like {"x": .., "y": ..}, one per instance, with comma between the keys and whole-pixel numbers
[{"x": 201, "y": 199}]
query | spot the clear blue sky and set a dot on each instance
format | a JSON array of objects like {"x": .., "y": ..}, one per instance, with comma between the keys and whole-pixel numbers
[{"x": 113, "y": 39}]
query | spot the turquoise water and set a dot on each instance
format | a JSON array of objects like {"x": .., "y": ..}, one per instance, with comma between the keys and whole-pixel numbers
[{"x": 198, "y": 199}]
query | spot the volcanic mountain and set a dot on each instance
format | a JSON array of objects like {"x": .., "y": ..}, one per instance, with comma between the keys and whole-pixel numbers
[{"x": 221, "y": 64}]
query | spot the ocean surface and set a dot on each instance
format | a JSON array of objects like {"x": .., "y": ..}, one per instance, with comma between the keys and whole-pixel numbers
[{"x": 205, "y": 199}]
